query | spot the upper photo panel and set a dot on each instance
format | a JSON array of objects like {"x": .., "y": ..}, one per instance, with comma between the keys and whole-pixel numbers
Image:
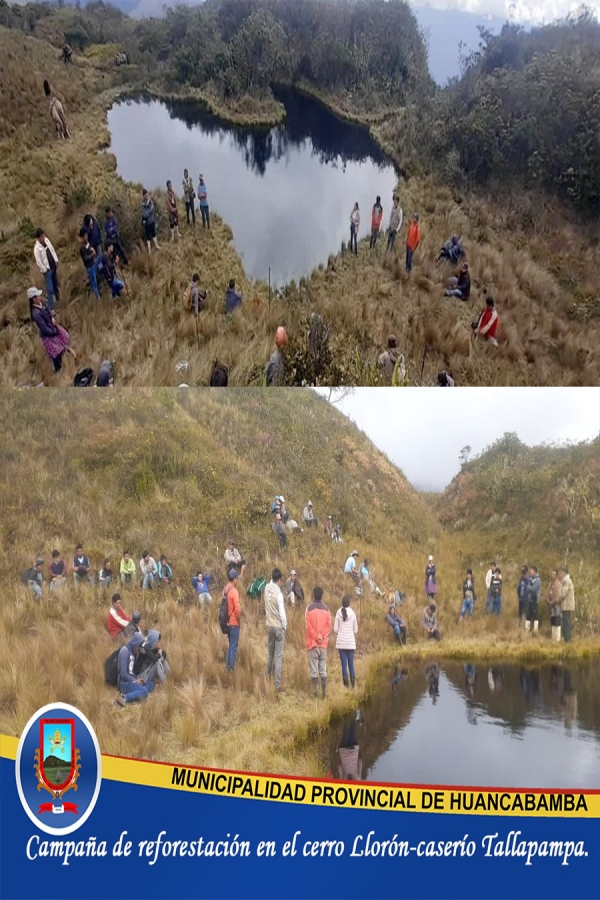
[{"x": 299, "y": 192}]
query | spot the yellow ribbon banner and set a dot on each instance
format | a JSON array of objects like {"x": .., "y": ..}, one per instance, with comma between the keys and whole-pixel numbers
[{"x": 346, "y": 795}]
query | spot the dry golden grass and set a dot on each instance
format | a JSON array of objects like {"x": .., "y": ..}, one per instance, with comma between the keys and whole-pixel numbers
[
  {"x": 544, "y": 279},
  {"x": 167, "y": 470}
]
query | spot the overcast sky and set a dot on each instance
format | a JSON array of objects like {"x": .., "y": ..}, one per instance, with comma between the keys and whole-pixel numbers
[
  {"x": 519, "y": 10},
  {"x": 423, "y": 430}
]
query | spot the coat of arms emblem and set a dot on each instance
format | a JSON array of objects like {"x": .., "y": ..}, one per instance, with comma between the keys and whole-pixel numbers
[{"x": 57, "y": 763}]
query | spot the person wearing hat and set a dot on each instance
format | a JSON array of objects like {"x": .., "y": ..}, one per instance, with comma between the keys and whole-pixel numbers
[
  {"x": 293, "y": 591},
  {"x": 430, "y": 623},
  {"x": 47, "y": 262},
  {"x": 430, "y": 579},
  {"x": 460, "y": 286},
  {"x": 234, "y": 611},
  {"x": 275, "y": 368},
  {"x": 105, "y": 574},
  {"x": 350, "y": 568},
  {"x": 203, "y": 202},
  {"x": 397, "y": 624},
  {"x": 54, "y": 337},
  {"x": 279, "y": 529},
  {"x": 34, "y": 577},
  {"x": 412, "y": 240},
  {"x": 234, "y": 559},
  {"x": 309, "y": 517},
  {"x": 118, "y": 619},
  {"x": 387, "y": 360},
  {"x": 131, "y": 687}
]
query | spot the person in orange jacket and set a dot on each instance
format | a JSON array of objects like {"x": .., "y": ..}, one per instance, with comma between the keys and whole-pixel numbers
[
  {"x": 412, "y": 240},
  {"x": 376, "y": 217},
  {"x": 318, "y": 625}
]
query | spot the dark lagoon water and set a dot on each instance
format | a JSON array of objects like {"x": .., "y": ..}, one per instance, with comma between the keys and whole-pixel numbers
[
  {"x": 485, "y": 725},
  {"x": 287, "y": 192}
]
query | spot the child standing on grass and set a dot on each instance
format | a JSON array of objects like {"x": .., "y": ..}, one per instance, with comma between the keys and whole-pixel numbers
[{"x": 346, "y": 628}]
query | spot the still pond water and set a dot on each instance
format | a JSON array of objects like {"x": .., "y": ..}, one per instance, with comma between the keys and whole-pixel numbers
[
  {"x": 485, "y": 724},
  {"x": 287, "y": 192}
]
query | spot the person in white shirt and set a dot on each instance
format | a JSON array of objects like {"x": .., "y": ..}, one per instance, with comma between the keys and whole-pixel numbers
[
  {"x": 309, "y": 517},
  {"x": 276, "y": 626},
  {"x": 488, "y": 584},
  {"x": 149, "y": 570},
  {"x": 346, "y": 628},
  {"x": 233, "y": 558},
  {"x": 354, "y": 228},
  {"x": 47, "y": 262},
  {"x": 395, "y": 225}
]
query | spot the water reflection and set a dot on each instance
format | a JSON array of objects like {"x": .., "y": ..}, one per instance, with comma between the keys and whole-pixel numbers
[
  {"x": 350, "y": 763},
  {"x": 527, "y": 717},
  {"x": 287, "y": 192}
]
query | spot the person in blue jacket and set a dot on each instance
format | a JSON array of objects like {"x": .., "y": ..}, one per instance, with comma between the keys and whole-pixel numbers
[
  {"x": 200, "y": 582},
  {"x": 111, "y": 230},
  {"x": 131, "y": 687}
]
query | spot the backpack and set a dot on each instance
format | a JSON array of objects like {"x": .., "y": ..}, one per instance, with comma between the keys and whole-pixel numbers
[
  {"x": 257, "y": 587},
  {"x": 224, "y": 613},
  {"x": 85, "y": 378},
  {"x": 111, "y": 668}
]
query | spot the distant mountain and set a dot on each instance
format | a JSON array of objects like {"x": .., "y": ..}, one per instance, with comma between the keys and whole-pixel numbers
[{"x": 445, "y": 30}]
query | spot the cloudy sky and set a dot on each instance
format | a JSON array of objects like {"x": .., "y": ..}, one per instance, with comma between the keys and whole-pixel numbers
[
  {"x": 423, "y": 431},
  {"x": 519, "y": 10}
]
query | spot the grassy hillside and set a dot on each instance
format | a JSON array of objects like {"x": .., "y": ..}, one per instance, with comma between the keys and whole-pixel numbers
[
  {"x": 179, "y": 473},
  {"x": 533, "y": 256},
  {"x": 532, "y": 505}
]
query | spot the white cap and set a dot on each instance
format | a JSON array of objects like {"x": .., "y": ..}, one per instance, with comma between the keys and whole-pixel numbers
[
  {"x": 33, "y": 292},
  {"x": 431, "y": 559},
  {"x": 309, "y": 503},
  {"x": 282, "y": 499},
  {"x": 293, "y": 572},
  {"x": 354, "y": 553}
]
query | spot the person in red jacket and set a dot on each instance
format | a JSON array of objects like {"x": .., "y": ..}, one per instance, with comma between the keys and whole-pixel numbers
[
  {"x": 487, "y": 323},
  {"x": 118, "y": 619},
  {"x": 412, "y": 240},
  {"x": 376, "y": 217},
  {"x": 234, "y": 611},
  {"x": 318, "y": 626}
]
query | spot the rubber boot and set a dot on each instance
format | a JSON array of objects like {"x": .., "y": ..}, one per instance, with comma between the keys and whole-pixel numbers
[
  {"x": 558, "y": 630},
  {"x": 149, "y": 247},
  {"x": 315, "y": 684},
  {"x": 324, "y": 687},
  {"x": 527, "y": 625},
  {"x": 352, "y": 680},
  {"x": 535, "y": 626},
  {"x": 172, "y": 234},
  {"x": 345, "y": 680}
]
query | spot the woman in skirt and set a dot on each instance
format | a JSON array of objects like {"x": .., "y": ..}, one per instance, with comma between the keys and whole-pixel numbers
[
  {"x": 54, "y": 337},
  {"x": 430, "y": 583}
]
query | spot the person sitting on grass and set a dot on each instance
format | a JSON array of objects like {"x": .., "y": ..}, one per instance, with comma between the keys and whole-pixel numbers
[
  {"x": 127, "y": 568},
  {"x": 430, "y": 623},
  {"x": 200, "y": 582},
  {"x": 149, "y": 570},
  {"x": 34, "y": 578},
  {"x": 487, "y": 323},
  {"x": 397, "y": 624},
  {"x": 111, "y": 230},
  {"x": 90, "y": 261},
  {"x": 233, "y": 298},
  {"x": 197, "y": 297},
  {"x": 131, "y": 687},
  {"x": 81, "y": 566},
  {"x": 105, "y": 574},
  {"x": 165, "y": 572},
  {"x": 460, "y": 286},
  {"x": 151, "y": 662},
  {"x": 452, "y": 250},
  {"x": 118, "y": 619},
  {"x": 308, "y": 516},
  {"x": 469, "y": 596},
  {"x": 233, "y": 558},
  {"x": 351, "y": 568},
  {"x": 292, "y": 590},
  {"x": 132, "y": 627},
  {"x": 279, "y": 529},
  {"x": 58, "y": 571},
  {"x": 107, "y": 263}
]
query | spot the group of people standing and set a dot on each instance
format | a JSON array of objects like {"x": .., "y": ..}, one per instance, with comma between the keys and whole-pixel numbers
[
  {"x": 149, "y": 217},
  {"x": 413, "y": 236}
]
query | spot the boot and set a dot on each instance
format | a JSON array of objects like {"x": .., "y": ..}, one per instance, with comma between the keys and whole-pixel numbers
[
  {"x": 535, "y": 626},
  {"x": 558, "y": 630},
  {"x": 345, "y": 680},
  {"x": 324, "y": 687},
  {"x": 315, "y": 686},
  {"x": 172, "y": 234},
  {"x": 527, "y": 625},
  {"x": 178, "y": 232},
  {"x": 352, "y": 680},
  {"x": 149, "y": 247}
]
